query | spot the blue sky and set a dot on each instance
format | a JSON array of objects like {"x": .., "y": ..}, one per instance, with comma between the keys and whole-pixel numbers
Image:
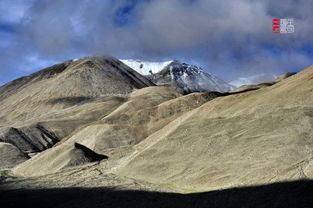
[{"x": 231, "y": 39}]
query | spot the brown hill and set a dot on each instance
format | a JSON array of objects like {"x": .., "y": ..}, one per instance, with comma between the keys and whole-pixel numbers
[
  {"x": 256, "y": 137},
  {"x": 39, "y": 110},
  {"x": 146, "y": 111}
]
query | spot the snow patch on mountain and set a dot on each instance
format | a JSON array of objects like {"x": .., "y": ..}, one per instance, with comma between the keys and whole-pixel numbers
[{"x": 145, "y": 67}]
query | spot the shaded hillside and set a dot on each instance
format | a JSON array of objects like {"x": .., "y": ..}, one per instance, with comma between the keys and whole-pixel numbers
[{"x": 278, "y": 195}]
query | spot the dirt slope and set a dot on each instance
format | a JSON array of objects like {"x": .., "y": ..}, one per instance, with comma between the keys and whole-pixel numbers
[
  {"x": 146, "y": 111},
  {"x": 255, "y": 137}
]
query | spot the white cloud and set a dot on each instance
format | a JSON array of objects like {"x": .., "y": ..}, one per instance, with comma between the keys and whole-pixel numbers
[
  {"x": 255, "y": 79},
  {"x": 233, "y": 37}
]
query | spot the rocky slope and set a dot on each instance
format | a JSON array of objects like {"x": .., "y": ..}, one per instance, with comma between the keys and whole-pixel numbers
[{"x": 41, "y": 109}]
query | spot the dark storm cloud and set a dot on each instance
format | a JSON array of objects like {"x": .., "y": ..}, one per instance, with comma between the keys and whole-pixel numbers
[{"x": 231, "y": 38}]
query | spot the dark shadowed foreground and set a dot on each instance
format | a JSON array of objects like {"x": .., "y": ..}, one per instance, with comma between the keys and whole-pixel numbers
[{"x": 284, "y": 195}]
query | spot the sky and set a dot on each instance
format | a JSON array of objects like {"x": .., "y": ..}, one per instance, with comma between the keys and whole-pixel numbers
[{"x": 231, "y": 39}]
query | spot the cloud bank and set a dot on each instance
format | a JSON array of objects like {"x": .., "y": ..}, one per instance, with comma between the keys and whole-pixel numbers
[{"x": 231, "y": 39}]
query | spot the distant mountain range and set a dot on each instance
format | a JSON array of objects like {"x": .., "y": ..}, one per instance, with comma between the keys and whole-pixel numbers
[{"x": 184, "y": 78}]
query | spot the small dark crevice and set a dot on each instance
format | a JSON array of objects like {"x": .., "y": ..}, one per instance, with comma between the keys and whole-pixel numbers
[
  {"x": 25, "y": 138},
  {"x": 48, "y": 133}
]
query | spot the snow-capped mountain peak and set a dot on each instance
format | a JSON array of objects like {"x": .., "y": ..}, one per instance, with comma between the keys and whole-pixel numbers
[{"x": 183, "y": 77}]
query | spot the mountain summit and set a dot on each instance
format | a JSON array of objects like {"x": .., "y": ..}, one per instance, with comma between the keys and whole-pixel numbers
[
  {"x": 37, "y": 110},
  {"x": 185, "y": 78}
]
